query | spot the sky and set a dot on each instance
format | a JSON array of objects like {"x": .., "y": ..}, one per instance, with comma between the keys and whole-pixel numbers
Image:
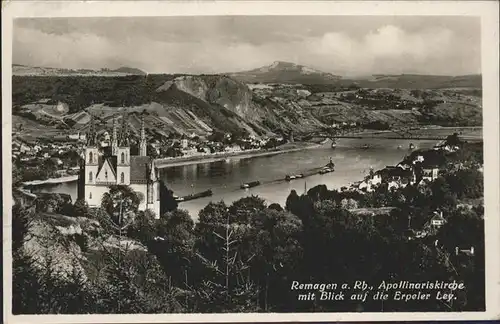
[{"x": 345, "y": 45}]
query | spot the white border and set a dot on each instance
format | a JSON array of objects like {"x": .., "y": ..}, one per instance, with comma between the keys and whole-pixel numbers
[{"x": 487, "y": 10}]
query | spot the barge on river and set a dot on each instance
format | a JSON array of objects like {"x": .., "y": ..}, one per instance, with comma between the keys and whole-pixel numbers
[
  {"x": 250, "y": 184},
  {"x": 294, "y": 176},
  {"x": 206, "y": 193}
]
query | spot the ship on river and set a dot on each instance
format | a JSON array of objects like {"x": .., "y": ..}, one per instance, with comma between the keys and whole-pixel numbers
[
  {"x": 294, "y": 176},
  {"x": 206, "y": 193},
  {"x": 250, "y": 184}
]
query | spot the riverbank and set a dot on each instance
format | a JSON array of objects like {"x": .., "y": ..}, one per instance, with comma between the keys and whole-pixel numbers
[
  {"x": 214, "y": 157},
  {"x": 70, "y": 178}
]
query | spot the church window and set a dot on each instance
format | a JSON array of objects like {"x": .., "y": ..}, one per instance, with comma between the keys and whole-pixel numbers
[
  {"x": 122, "y": 177},
  {"x": 106, "y": 174},
  {"x": 150, "y": 193},
  {"x": 90, "y": 175},
  {"x": 90, "y": 157},
  {"x": 90, "y": 195},
  {"x": 122, "y": 158}
]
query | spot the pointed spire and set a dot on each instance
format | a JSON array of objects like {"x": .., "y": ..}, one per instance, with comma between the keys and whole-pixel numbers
[
  {"x": 143, "y": 135},
  {"x": 92, "y": 135},
  {"x": 114, "y": 138},
  {"x": 124, "y": 136},
  {"x": 142, "y": 142}
]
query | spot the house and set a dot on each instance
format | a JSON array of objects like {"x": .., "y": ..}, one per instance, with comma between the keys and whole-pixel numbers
[
  {"x": 404, "y": 166},
  {"x": 370, "y": 182},
  {"x": 184, "y": 143},
  {"x": 397, "y": 175},
  {"x": 437, "y": 220},
  {"x": 418, "y": 159},
  {"x": 78, "y": 136},
  {"x": 24, "y": 148},
  {"x": 430, "y": 172},
  {"x": 233, "y": 148}
]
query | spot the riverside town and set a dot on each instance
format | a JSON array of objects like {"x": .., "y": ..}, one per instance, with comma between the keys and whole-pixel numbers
[{"x": 203, "y": 178}]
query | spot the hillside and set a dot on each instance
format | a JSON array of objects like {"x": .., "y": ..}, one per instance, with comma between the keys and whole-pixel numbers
[
  {"x": 414, "y": 81},
  {"x": 202, "y": 104},
  {"x": 18, "y": 69}
]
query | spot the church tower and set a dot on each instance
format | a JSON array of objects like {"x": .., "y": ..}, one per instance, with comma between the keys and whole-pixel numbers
[
  {"x": 123, "y": 155},
  {"x": 91, "y": 161},
  {"x": 142, "y": 143},
  {"x": 114, "y": 139}
]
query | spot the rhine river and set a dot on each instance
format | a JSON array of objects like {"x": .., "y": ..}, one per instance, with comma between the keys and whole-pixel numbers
[{"x": 352, "y": 163}]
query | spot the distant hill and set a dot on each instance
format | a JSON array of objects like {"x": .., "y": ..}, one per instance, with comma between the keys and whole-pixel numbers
[
  {"x": 18, "y": 69},
  {"x": 129, "y": 70},
  {"x": 285, "y": 72},
  {"x": 417, "y": 81},
  {"x": 290, "y": 73}
]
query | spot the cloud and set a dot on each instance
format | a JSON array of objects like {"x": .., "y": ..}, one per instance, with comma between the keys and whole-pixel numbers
[{"x": 226, "y": 45}]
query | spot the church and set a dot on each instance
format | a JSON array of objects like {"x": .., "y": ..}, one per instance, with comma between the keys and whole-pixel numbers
[{"x": 102, "y": 167}]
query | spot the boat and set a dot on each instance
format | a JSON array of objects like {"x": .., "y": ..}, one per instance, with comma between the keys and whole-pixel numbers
[
  {"x": 294, "y": 176},
  {"x": 411, "y": 146},
  {"x": 326, "y": 170},
  {"x": 206, "y": 193},
  {"x": 366, "y": 146},
  {"x": 250, "y": 184},
  {"x": 330, "y": 164},
  {"x": 334, "y": 143}
]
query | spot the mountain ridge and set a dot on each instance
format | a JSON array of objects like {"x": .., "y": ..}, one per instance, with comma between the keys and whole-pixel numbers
[
  {"x": 284, "y": 72},
  {"x": 27, "y": 70}
]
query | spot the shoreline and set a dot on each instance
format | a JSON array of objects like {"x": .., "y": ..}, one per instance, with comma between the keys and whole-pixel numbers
[
  {"x": 64, "y": 179},
  {"x": 184, "y": 161},
  {"x": 209, "y": 158}
]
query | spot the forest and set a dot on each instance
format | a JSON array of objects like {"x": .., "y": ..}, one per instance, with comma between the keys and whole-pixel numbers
[{"x": 244, "y": 256}]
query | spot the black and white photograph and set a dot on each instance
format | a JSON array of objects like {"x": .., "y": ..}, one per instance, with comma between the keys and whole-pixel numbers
[{"x": 250, "y": 163}]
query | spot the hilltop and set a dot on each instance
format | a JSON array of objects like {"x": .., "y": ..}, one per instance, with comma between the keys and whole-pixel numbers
[
  {"x": 290, "y": 73},
  {"x": 285, "y": 72}
]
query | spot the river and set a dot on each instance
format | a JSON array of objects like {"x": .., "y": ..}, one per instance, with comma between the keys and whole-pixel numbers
[{"x": 352, "y": 163}]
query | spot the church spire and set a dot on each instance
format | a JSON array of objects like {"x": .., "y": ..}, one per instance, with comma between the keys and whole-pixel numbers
[
  {"x": 114, "y": 139},
  {"x": 142, "y": 142},
  {"x": 92, "y": 135},
  {"x": 124, "y": 140}
]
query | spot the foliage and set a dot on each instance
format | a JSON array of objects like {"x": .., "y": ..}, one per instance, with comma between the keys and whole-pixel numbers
[
  {"x": 168, "y": 202},
  {"x": 243, "y": 257},
  {"x": 121, "y": 203}
]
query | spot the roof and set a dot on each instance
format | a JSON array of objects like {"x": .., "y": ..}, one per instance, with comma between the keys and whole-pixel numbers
[
  {"x": 395, "y": 172},
  {"x": 139, "y": 168},
  {"x": 430, "y": 166},
  {"x": 437, "y": 216}
]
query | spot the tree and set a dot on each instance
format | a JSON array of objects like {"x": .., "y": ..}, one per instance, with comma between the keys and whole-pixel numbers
[
  {"x": 226, "y": 286},
  {"x": 277, "y": 251},
  {"x": 276, "y": 207},
  {"x": 143, "y": 227},
  {"x": 81, "y": 208},
  {"x": 167, "y": 198},
  {"x": 174, "y": 245},
  {"x": 121, "y": 203}
]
